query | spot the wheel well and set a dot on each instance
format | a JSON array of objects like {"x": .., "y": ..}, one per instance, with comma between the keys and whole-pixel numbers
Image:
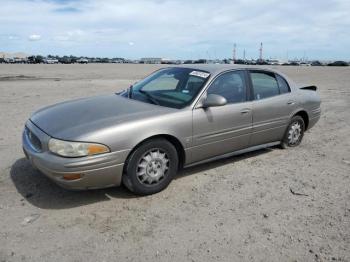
[
  {"x": 305, "y": 117},
  {"x": 173, "y": 140}
]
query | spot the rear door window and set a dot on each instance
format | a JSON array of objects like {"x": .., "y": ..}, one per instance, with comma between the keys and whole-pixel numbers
[{"x": 264, "y": 85}]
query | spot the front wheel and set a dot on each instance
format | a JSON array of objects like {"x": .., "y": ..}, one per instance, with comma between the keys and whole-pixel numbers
[
  {"x": 151, "y": 167},
  {"x": 294, "y": 133}
]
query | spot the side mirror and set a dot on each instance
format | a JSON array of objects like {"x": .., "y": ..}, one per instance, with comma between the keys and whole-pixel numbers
[{"x": 214, "y": 100}]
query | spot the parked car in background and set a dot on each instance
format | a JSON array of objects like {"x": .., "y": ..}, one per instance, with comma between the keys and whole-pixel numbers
[
  {"x": 316, "y": 63},
  {"x": 50, "y": 61},
  {"x": 66, "y": 60},
  {"x": 82, "y": 61},
  {"x": 338, "y": 63},
  {"x": 35, "y": 59},
  {"x": 174, "y": 118}
]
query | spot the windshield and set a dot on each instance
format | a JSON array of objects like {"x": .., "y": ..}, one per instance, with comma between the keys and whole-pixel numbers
[{"x": 171, "y": 87}]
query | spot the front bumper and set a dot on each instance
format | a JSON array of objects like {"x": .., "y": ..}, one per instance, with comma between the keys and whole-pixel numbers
[{"x": 99, "y": 171}]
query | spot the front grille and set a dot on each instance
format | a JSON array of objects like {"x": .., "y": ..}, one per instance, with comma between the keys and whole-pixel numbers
[{"x": 33, "y": 140}]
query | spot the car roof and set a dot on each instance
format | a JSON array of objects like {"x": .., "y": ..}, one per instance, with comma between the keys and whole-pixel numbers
[{"x": 215, "y": 69}]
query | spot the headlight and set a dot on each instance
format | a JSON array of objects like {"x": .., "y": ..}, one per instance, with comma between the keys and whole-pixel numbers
[{"x": 75, "y": 149}]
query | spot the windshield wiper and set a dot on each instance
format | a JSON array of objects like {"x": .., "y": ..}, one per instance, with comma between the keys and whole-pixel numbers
[{"x": 149, "y": 96}]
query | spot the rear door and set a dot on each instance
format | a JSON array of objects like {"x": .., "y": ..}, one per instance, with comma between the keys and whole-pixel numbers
[
  {"x": 223, "y": 129},
  {"x": 273, "y": 104}
]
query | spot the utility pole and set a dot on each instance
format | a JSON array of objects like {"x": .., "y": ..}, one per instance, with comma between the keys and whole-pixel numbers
[
  {"x": 208, "y": 55},
  {"x": 261, "y": 52},
  {"x": 244, "y": 55},
  {"x": 234, "y": 52}
]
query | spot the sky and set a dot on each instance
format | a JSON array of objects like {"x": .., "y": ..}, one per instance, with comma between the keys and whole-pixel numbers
[{"x": 177, "y": 29}]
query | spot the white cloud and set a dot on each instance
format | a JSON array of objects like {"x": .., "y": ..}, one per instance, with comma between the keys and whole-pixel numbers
[
  {"x": 34, "y": 37},
  {"x": 13, "y": 37},
  {"x": 73, "y": 36}
]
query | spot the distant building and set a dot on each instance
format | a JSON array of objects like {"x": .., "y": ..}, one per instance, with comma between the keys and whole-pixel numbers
[
  {"x": 151, "y": 60},
  {"x": 19, "y": 55},
  {"x": 118, "y": 60}
]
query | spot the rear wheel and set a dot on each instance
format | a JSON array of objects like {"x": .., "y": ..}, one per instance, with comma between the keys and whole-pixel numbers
[
  {"x": 151, "y": 167},
  {"x": 294, "y": 133}
]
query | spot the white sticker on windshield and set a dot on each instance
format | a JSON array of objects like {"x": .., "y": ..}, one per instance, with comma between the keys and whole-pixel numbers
[{"x": 200, "y": 74}]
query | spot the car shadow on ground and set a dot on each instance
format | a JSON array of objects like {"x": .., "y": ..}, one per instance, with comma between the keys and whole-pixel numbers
[
  {"x": 221, "y": 162},
  {"x": 41, "y": 192}
]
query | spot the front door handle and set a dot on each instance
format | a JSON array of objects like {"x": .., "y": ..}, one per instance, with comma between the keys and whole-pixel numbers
[
  {"x": 290, "y": 102},
  {"x": 245, "y": 111}
]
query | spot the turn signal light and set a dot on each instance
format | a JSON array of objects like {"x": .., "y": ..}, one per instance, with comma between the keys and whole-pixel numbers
[
  {"x": 94, "y": 149},
  {"x": 72, "y": 176}
]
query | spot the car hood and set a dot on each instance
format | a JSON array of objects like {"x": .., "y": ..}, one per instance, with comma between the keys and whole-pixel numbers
[{"x": 73, "y": 120}]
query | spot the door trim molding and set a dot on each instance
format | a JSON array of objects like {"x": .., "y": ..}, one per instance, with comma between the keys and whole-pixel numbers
[{"x": 234, "y": 153}]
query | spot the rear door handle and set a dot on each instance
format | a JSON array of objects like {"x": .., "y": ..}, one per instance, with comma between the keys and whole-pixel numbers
[
  {"x": 245, "y": 111},
  {"x": 290, "y": 102}
]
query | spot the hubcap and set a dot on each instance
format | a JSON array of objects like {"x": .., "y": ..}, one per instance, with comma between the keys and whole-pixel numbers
[
  {"x": 152, "y": 167},
  {"x": 294, "y": 133}
]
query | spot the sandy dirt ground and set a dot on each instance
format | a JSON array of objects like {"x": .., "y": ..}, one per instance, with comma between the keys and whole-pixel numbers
[{"x": 236, "y": 209}]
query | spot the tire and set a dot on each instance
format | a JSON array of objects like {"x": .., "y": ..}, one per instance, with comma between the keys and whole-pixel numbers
[
  {"x": 151, "y": 167},
  {"x": 294, "y": 133}
]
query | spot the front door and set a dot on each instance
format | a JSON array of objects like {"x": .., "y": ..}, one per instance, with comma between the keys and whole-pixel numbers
[{"x": 223, "y": 129}]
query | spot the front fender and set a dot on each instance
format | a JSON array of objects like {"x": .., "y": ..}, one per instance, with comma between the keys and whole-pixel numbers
[{"x": 126, "y": 136}]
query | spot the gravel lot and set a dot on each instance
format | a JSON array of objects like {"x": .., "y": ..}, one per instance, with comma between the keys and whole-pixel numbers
[{"x": 237, "y": 209}]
